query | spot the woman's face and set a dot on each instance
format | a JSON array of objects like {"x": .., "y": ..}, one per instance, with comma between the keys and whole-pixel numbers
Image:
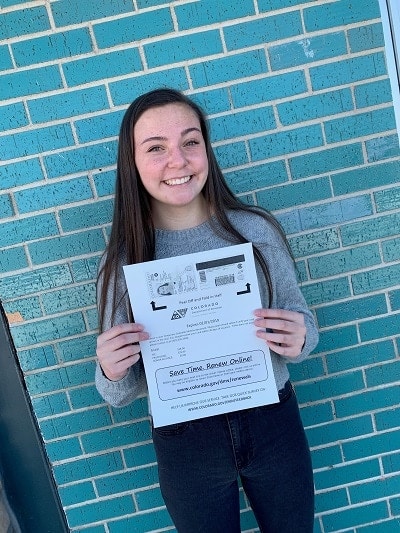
[{"x": 171, "y": 158}]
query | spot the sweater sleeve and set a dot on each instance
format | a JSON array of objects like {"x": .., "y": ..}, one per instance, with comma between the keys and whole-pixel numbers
[{"x": 122, "y": 392}]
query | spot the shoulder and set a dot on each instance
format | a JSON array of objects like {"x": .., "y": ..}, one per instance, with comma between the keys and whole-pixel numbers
[{"x": 256, "y": 227}]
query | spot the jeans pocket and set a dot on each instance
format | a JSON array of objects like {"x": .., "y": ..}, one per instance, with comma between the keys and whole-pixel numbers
[{"x": 171, "y": 430}]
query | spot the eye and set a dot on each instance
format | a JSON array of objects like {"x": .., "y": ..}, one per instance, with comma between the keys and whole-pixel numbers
[
  {"x": 192, "y": 142},
  {"x": 155, "y": 149}
]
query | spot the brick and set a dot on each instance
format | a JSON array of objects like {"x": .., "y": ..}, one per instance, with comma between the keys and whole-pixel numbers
[
  {"x": 35, "y": 280},
  {"x": 24, "y": 21},
  {"x": 394, "y": 299},
  {"x": 365, "y": 178},
  {"x": 68, "y": 104},
  {"x": 100, "y": 510},
  {"x": 78, "y": 493},
  {"x": 371, "y": 229},
  {"x": 331, "y": 386},
  {"x": 334, "y": 339},
  {"x": 66, "y": 246},
  {"x": 58, "y": 45},
  {"x": 6, "y": 207},
  {"x": 71, "y": 298},
  {"x": 231, "y": 155},
  {"x": 366, "y": 401},
  {"x": 353, "y": 516},
  {"x": 346, "y": 474},
  {"x": 387, "y": 326},
  {"x": 125, "y": 91},
  {"x": 51, "y": 404},
  {"x": 102, "y": 66},
  {"x": 85, "y": 269},
  {"x": 387, "y": 199},
  {"x": 383, "y": 373},
  {"x": 326, "y": 16},
  {"x": 342, "y": 430},
  {"x": 123, "y": 435},
  {"x": 344, "y": 261},
  {"x": 5, "y": 58},
  {"x": 124, "y": 481},
  {"x": 35, "y": 358},
  {"x": 372, "y": 93},
  {"x": 88, "y": 467},
  {"x": 242, "y": 123},
  {"x": 46, "y": 330},
  {"x": 386, "y": 526},
  {"x": 149, "y": 499},
  {"x": 382, "y": 148},
  {"x": 26, "y": 308},
  {"x": 68, "y": 424},
  {"x": 366, "y": 37},
  {"x": 155, "y": 521},
  {"x": 67, "y": 448},
  {"x": 36, "y": 141},
  {"x": 79, "y": 374},
  {"x": 326, "y": 291},
  {"x": 133, "y": 28},
  {"x": 21, "y": 173},
  {"x": 326, "y": 160},
  {"x": 315, "y": 242},
  {"x": 92, "y": 319},
  {"x": 32, "y": 81},
  {"x": 307, "y": 50},
  {"x": 67, "y": 12},
  {"x": 355, "y": 309},
  {"x": 262, "y": 30},
  {"x": 84, "y": 397},
  {"x": 357, "y": 125},
  {"x": 316, "y": 106},
  {"x": 360, "y": 356},
  {"x": 104, "y": 183},
  {"x": 182, "y": 48},
  {"x": 347, "y": 71},
  {"x": 312, "y": 367},
  {"x": 270, "y": 5},
  {"x": 330, "y": 500},
  {"x": 285, "y": 142},
  {"x": 268, "y": 89},
  {"x": 99, "y": 127},
  {"x": 194, "y": 15},
  {"x": 335, "y": 212},
  {"x": 326, "y": 457},
  {"x": 255, "y": 177},
  {"x": 213, "y": 101},
  {"x": 228, "y": 68},
  {"x": 12, "y": 116},
  {"x": 318, "y": 413},
  {"x": 391, "y": 462},
  {"x": 375, "y": 490},
  {"x": 27, "y": 229},
  {"x": 135, "y": 410},
  {"x": 13, "y": 259},
  {"x": 52, "y": 195},
  {"x": 372, "y": 280},
  {"x": 139, "y": 455},
  {"x": 376, "y": 444},
  {"x": 94, "y": 214},
  {"x": 82, "y": 159}
]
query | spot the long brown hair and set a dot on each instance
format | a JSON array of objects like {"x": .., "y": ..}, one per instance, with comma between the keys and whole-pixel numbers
[{"x": 132, "y": 237}]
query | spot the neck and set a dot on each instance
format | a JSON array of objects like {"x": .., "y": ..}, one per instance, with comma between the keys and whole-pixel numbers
[{"x": 179, "y": 218}]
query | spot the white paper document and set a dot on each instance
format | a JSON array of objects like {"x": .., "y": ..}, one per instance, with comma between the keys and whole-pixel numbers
[{"x": 203, "y": 357}]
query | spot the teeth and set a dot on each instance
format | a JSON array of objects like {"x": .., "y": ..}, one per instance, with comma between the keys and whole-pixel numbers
[{"x": 178, "y": 181}]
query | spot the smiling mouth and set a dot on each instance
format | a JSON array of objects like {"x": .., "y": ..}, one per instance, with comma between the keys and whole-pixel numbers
[{"x": 178, "y": 181}]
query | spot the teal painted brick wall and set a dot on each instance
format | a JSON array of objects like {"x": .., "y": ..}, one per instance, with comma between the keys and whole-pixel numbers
[{"x": 302, "y": 122}]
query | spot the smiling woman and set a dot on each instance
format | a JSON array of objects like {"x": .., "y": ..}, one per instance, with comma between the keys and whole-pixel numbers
[{"x": 171, "y": 200}]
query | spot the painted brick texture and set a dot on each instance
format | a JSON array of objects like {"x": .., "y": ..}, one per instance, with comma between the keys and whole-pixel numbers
[{"x": 302, "y": 122}]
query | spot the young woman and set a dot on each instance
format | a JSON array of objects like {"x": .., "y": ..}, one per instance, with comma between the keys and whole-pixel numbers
[{"x": 171, "y": 199}]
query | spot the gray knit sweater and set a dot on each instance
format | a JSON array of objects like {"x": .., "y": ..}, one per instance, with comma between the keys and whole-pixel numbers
[{"x": 286, "y": 294}]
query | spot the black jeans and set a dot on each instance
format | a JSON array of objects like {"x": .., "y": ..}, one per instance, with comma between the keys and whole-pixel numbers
[{"x": 200, "y": 461}]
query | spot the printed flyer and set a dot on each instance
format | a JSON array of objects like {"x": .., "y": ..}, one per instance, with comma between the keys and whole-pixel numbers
[{"x": 203, "y": 357}]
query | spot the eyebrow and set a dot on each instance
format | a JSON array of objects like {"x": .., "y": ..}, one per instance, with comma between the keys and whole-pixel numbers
[{"x": 160, "y": 138}]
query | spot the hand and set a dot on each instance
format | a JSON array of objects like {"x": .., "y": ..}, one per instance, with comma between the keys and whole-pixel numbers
[
  {"x": 118, "y": 349},
  {"x": 287, "y": 330}
]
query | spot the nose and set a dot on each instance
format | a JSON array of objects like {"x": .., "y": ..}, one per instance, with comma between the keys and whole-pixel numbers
[{"x": 177, "y": 158}]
